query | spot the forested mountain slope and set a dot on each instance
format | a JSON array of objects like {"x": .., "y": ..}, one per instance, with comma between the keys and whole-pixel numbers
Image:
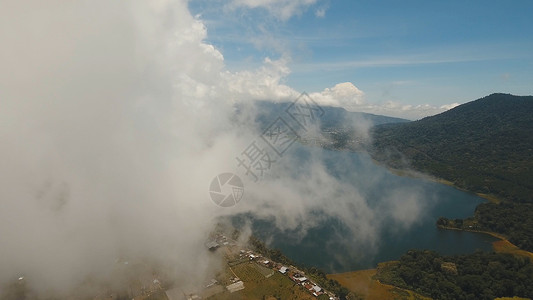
[{"x": 483, "y": 146}]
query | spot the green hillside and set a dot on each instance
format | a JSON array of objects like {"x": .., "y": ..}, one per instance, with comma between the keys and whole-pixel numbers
[
  {"x": 471, "y": 276},
  {"x": 484, "y": 146}
]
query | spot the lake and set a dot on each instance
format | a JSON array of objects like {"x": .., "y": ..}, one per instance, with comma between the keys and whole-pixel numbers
[{"x": 327, "y": 245}]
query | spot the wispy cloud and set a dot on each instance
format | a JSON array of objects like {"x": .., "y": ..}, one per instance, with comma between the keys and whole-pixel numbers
[
  {"x": 320, "y": 12},
  {"x": 380, "y": 62},
  {"x": 505, "y": 76},
  {"x": 281, "y": 9}
]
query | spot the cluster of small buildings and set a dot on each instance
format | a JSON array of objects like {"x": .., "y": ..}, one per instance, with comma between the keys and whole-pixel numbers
[
  {"x": 192, "y": 292},
  {"x": 306, "y": 283},
  {"x": 292, "y": 272},
  {"x": 217, "y": 241},
  {"x": 236, "y": 286},
  {"x": 248, "y": 255}
]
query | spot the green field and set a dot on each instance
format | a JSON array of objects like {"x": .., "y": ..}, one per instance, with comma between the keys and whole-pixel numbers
[
  {"x": 257, "y": 286},
  {"x": 267, "y": 272}
]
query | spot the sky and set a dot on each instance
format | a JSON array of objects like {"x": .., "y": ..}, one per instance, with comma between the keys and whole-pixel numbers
[{"x": 397, "y": 53}]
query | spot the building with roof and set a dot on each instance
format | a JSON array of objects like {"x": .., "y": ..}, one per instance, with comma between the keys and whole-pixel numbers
[{"x": 234, "y": 287}]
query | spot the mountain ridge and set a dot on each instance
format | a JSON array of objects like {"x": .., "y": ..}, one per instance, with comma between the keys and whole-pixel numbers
[
  {"x": 484, "y": 146},
  {"x": 333, "y": 117}
]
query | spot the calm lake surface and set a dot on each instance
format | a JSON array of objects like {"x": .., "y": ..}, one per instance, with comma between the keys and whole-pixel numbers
[{"x": 326, "y": 247}]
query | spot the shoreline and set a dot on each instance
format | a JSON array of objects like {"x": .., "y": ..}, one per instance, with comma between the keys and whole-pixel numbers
[
  {"x": 494, "y": 234},
  {"x": 419, "y": 175},
  {"x": 501, "y": 246},
  {"x": 362, "y": 282}
]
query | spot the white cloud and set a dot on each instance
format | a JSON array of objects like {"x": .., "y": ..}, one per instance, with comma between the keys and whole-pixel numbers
[
  {"x": 449, "y": 106},
  {"x": 344, "y": 95},
  {"x": 264, "y": 83},
  {"x": 407, "y": 111},
  {"x": 320, "y": 13},
  {"x": 348, "y": 96},
  {"x": 282, "y": 9},
  {"x": 111, "y": 121},
  {"x": 505, "y": 76}
]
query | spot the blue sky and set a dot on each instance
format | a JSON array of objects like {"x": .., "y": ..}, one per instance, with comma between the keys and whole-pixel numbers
[{"x": 411, "y": 52}]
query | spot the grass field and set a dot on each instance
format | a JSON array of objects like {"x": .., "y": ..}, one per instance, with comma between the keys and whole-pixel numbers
[
  {"x": 361, "y": 283},
  {"x": 504, "y": 246},
  {"x": 267, "y": 272}
]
